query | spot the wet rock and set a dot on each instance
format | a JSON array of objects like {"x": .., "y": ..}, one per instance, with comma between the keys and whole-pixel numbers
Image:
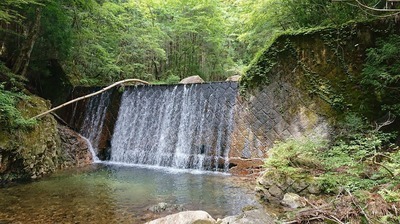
[
  {"x": 234, "y": 78},
  {"x": 192, "y": 80},
  {"x": 293, "y": 200},
  {"x": 76, "y": 150},
  {"x": 242, "y": 166},
  {"x": 187, "y": 217},
  {"x": 255, "y": 216},
  {"x": 162, "y": 206},
  {"x": 40, "y": 150}
]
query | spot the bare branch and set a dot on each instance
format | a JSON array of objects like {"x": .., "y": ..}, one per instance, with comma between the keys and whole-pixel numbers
[
  {"x": 90, "y": 95},
  {"x": 358, "y": 206},
  {"x": 367, "y": 7},
  {"x": 390, "y": 119}
]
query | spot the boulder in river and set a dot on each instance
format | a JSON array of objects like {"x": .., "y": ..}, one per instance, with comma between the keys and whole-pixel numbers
[
  {"x": 256, "y": 216},
  {"x": 186, "y": 217}
]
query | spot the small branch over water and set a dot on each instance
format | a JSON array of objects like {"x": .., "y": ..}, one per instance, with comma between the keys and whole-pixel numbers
[{"x": 90, "y": 95}]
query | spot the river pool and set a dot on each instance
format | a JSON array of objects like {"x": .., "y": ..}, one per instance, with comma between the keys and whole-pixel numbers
[{"x": 112, "y": 193}]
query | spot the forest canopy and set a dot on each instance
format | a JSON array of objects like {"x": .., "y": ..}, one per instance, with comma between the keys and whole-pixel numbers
[{"x": 101, "y": 41}]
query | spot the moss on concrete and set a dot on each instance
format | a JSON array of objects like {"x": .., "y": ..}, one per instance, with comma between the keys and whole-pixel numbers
[{"x": 325, "y": 64}]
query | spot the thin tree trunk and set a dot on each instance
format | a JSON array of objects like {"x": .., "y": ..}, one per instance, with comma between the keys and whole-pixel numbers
[
  {"x": 90, "y": 95},
  {"x": 22, "y": 62}
]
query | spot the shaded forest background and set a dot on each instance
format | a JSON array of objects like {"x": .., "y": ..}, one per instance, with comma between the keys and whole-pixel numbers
[{"x": 97, "y": 42}]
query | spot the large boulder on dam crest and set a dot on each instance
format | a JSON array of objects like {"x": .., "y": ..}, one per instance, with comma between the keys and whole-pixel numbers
[
  {"x": 234, "y": 78},
  {"x": 192, "y": 80}
]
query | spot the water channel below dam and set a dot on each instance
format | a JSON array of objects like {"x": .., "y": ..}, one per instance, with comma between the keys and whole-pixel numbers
[{"x": 112, "y": 193}]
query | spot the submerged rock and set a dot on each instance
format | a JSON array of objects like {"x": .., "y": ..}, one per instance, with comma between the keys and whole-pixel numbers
[
  {"x": 192, "y": 80},
  {"x": 187, "y": 217},
  {"x": 255, "y": 216},
  {"x": 162, "y": 206}
]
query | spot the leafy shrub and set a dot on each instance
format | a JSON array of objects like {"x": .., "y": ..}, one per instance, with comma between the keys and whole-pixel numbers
[
  {"x": 172, "y": 79},
  {"x": 381, "y": 72},
  {"x": 9, "y": 80},
  {"x": 389, "y": 195},
  {"x": 295, "y": 154},
  {"x": 357, "y": 159},
  {"x": 10, "y": 86},
  {"x": 10, "y": 116}
]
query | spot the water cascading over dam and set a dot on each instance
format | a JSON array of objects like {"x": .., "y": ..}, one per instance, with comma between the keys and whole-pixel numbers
[
  {"x": 93, "y": 121},
  {"x": 181, "y": 126}
]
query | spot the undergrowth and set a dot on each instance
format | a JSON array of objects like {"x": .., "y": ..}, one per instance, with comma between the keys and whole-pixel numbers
[
  {"x": 360, "y": 165},
  {"x": 10, "y": 95}
]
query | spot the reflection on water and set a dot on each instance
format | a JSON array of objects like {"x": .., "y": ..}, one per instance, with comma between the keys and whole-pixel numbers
[{"x": 118, "y": 194}]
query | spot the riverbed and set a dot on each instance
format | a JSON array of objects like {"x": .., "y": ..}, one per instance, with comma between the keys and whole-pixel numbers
[{"x": 115, "y": 193}]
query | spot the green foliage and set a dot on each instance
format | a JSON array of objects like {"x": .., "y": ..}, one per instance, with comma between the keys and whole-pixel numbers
[
  {"x": 294, "y": 155},
  {"x": 10, "y": 116},
  {"x": 259, "y": 21},
  {"x": 104, "y": 41},
  {"x": 10, "y": 80},
  {"x": 354, "y": 153},
  {"x": 10, "y": 9},
  {"x": 381, "y": 72},
  {"x": 358, "y": 159},
  {"x": 389, "y": 195},
  {"x": 11, "y": 86},
  {"x": 172, "y": 79},
  {"x": 148, "y": 40},
  {"x": 55, "y": 33}
]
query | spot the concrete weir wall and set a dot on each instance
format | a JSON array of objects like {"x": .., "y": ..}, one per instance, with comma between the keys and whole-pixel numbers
[
  {"x": 269, "y": 114},
  {"x": 273, "y": 113},
  {"x": 301, "y": 85}
]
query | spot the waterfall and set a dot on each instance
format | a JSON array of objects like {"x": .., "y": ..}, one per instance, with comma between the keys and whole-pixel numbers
[
  {"x": 94, "y": 117},
  {"x": 182, "y": 126}
]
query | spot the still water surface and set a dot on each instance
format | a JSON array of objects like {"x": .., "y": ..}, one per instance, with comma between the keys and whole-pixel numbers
[{"x": 110, "y": 193}]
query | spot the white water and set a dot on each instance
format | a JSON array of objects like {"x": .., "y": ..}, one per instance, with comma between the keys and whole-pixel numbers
[
  {"x": 184, "y": 126},
  {"x": 91, "y": 150},
  {"x": 94, "y": 117}
]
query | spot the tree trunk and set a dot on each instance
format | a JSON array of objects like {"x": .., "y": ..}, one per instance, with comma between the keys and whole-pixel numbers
[{"x": 21, "y": 64}]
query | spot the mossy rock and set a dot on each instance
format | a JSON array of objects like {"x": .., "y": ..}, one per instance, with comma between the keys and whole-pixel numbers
[{"x": 33, "y": 152}]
